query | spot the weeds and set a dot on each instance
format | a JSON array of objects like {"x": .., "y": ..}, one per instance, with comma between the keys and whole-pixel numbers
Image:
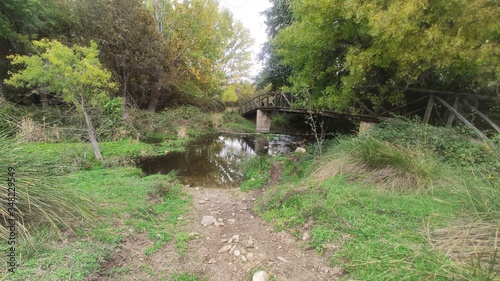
[
  {"x": 39, "y": 200},
  {"x": 396, "y": 204},
  {"x": 257, "y": 172}
]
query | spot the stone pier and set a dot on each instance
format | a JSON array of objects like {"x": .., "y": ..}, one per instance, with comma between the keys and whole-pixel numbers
[{"x": 263, "y": 121}]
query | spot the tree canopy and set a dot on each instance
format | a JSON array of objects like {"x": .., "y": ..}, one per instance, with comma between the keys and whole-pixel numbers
[
  {"x": 73, "y": 73},
  {"x": 342, "y": 51},
  {"x": 157, "y": 50}
]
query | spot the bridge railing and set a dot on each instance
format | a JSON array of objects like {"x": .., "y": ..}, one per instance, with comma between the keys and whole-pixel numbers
[{"x": 272, "y": 100}]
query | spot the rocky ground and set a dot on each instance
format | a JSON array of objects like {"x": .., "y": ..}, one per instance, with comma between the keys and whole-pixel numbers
[{"x": 228, "y": 242}]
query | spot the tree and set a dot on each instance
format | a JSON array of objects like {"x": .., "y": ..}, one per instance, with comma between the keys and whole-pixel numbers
[
  {"x": 208, "y": 47},
  {"x": 24, "y": 20},
  {"x": 343, "y": 51},
  {"x": 74, "y": 73},
  {"x": 130, "y": 47},
  {"x": 275, "y": 72}
]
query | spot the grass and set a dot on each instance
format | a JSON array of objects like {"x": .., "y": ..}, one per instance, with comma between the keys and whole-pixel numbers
[
  {"x": 38, "y": 199},
  {"x": 257, "y": 172},
  {"x": 387, "y": 211},
  {"x": 122, "y": 200}
]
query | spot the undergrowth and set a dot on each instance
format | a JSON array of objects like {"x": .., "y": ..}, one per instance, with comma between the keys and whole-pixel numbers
[
  {"x": 398, "y": 204},
  {"x": 39, "y": 200}
]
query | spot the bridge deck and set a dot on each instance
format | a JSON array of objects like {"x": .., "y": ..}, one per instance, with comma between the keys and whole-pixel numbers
[{"x": 279, "y": 101}]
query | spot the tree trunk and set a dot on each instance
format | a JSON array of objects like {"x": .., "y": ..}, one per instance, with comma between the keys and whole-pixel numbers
[
  {"x": 43, "y": 98},
  {"x": 155, "y": 97},
  {"x": 92, "y": 138},
  {"x": 125, "y": 114},
  {"x": 153, "y": 102}
]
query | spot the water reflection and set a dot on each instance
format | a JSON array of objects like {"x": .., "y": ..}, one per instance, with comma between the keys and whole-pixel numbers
[{"x": 215, "y": 161}]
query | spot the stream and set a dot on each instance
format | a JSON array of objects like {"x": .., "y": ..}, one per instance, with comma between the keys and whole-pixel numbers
[{"x": 214, "y": 161}]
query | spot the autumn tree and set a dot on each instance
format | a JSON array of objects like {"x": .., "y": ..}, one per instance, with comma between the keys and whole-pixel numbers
[
  {"x": 345, "y": 51},
  {"x": 130, "y": 47},
  {"x": 208, "y": 47},
  {"x": 73, "y": 73}
]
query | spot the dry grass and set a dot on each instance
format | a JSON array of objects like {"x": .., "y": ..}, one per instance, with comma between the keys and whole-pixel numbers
[
  {"x": 414, "y": 176},
  {"x": 469, "y": 243},
  {"x": 30, "y": 131}
]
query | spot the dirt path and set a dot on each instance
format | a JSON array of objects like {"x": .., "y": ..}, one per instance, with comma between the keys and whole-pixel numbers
[{"x": 232, "y": 248}]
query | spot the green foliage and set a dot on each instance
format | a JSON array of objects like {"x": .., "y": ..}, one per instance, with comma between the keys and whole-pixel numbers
[
  {"x": 185, "y": 277},
  {"x": 39, "y": 199},
  {"x": 171, "y": 128},
  {"x": 229, "y": 95},
  {"x": 207, "y": 53},
  {"x": 233, "y": 122},
  {"x": 450, "y": 145},
  {"x": 277, "y": 120},
  {"x": 124, "y": 200},
  {"x": 181, "y": 240},
  {"x": 74, "y": 73},
  {"x": 256, "y": 172},
  {"x": 404, "y": 233},
  {"x": 344, "y": 51},
  {"x": 480, "y": 195}
]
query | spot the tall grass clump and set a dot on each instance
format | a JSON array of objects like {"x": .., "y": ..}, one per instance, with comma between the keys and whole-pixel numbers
[
  {"x": 375, "y": 161},
  {"x": 37, "y": 200}
]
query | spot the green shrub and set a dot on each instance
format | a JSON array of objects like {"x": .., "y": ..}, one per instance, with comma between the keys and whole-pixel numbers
[
  {"x": 38, "y": 200},
  {"x": 375, "y": 161},
  {"x": 257, "y": 171},
  {"x": 234, "y": 122},
  {"x": 449, "y": 144}
]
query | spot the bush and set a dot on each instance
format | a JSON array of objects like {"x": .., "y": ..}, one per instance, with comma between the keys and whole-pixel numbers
[
  {"x": 38, "y": 199},
  {"x": 451, "y": 145},
  {"x": 374, "y": 161}
]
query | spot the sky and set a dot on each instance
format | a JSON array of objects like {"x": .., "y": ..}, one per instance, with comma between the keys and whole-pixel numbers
[{"x": 248, "y": 12}]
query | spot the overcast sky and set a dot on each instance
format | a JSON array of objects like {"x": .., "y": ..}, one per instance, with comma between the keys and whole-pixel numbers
[{"x": 248, "y": 12}]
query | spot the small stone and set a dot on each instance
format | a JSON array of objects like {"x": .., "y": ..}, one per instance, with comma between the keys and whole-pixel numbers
[
  {"x": 249, "y": 243},
  {"x": 212, "y": 205},
  {"x": 207, "y": 199},
  {"x": 231, "y": 221},
  {"x": 237, "y": 253},
  {"x": 252, "y": 217},
  {"x": 235, "y": 239},
  {"x": 220, "y": 220},
  {"x": 212, "y": 261},
  {"x": 282, "y": 259},
  {"x": 193, "y": 234},
  {"x": 305, "y": 236},
  {"x": 201, "y": 202},
  {"x": 207, "y": 220},
  {"x": 250, "y": 257},
  {"x": 300, "y": 150},
  {"x": 232, "y": 214},
  {"x": 232, "y": 249},
  {"x": 218, "y": 224},
  {"x": 243, "y": 258},
  {"x": 225, "y": 249},
  {"x": 223, "y": 240},
  {"x": 260, "y": 276}
]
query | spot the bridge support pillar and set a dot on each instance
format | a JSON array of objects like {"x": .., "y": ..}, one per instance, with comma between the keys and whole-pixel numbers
[
  {"x": 263, "y": 121},
  {"x": 365, "y": 127}
]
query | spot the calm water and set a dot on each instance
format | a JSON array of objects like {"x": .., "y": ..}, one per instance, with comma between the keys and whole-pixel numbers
[{"x": 215, "y": 160}]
